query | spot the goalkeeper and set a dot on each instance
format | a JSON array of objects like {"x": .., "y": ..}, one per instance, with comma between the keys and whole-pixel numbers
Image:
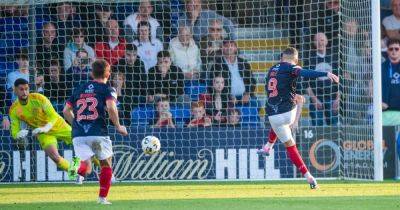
[{"x": 36, "y": 111}]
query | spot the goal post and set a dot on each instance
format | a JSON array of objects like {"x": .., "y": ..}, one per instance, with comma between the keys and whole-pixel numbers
[{"x": 377, "y": 93}]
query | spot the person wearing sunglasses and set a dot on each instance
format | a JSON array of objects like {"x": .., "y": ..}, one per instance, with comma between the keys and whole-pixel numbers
[{"x": 391, "y": 85}]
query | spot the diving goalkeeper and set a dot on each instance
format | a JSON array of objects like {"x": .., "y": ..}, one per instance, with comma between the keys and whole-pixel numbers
[{"x": 37, "y": 112}]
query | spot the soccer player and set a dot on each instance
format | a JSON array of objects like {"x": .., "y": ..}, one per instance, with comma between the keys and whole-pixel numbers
[
  {"x": 281, "y": 104},
  {"x": 36, "y": 111},
  {"x": 86, "y": 111}
]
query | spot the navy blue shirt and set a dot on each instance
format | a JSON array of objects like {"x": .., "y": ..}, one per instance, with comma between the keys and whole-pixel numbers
[
  {"x": 281, "y": 88},
  {"x": 89, "y": 107},
  {"x": 391, "y": 85}
]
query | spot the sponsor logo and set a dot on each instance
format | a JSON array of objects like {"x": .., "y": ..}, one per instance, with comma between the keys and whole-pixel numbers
[{"x": 325, "y": 147}]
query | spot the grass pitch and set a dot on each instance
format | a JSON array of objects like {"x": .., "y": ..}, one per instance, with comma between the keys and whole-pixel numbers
[{"x": 206, "y": 196}]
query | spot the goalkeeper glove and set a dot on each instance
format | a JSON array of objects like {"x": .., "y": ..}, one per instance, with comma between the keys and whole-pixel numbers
[
  {"x": 22, "y": 134},
  {"x": 43, "y": 129}
]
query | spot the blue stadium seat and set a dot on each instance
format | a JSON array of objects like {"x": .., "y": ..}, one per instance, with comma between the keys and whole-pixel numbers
[
  {"x": 194, "y": 89},
  {"x": 142, "y": 115},
  {"x": 250, "y": 115},
  {"x": 180, "y": 114},
  {"x": 13, "y": 24}
]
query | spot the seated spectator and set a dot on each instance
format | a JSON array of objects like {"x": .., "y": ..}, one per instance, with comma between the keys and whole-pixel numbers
[
  {"x": 48, "y": 48},
  {"x": 211, "y": 44},
  {"x": 22, "y": 60},
  {"x": 135, "y": 74},
  {"x": 198, "y": 18},
  {"x": 391, "y": 85},
  {"x": 80, "y": 70},
  {"x": 199, "y": 116},
  {"x": 97, "y": 24},
  {"x": 392, "y": 22},
  {"x": 148, "y": 48},
  {"x": 185, "y": 54},
  {"x": 132, "y": 21},
  {"x": 165, "y": 80},
  {"x": 323, "y": 94},
  {"x": 77, "y": 42},
  {"x": 114, "y": 48},
  {"x": 237, "y": 70},
  {"x": 233, "y": 118},
  {"x": 217, "y": 100},
  {"x": 164, "y": 115},
  {"x": 66, "y": 19},
  {"x": 55, "y": 85}
]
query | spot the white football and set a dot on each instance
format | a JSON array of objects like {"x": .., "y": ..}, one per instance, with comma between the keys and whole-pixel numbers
[{"x": 150, "y": 145}]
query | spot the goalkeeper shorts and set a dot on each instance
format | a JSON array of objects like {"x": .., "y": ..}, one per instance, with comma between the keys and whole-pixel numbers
[{"x": 50, "y": 138}]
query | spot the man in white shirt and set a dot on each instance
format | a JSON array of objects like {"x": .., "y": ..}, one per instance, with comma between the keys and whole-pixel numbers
[
  {"x": 392, "y": 22},
  {"x": 144, "y": 14},
  {"x": 185, "y": 53}
]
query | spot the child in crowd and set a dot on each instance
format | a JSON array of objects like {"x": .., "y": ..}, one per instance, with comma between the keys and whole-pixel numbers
[{"x": 199, "y": 117}]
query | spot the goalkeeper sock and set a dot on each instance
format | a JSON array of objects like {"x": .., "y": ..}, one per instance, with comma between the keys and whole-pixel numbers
[
  {"x": 272, "y": 137},
  {"x": 105, "y": 181},
  {"x": 82, "y": 168},
  {"x": 295, "y": 157},
  {"x": 96, "y": 161},
  {"x": 63, "y": 164}
]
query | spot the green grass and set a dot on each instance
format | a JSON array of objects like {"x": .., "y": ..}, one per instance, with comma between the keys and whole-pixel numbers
[{"x": 206, "y": 196}]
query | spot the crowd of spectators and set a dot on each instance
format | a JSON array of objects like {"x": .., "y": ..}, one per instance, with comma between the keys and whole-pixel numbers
[{"x": 150, "y": 66}]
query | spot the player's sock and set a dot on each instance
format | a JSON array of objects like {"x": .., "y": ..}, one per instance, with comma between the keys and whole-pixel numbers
[
  {"x": 295, "y": 157},
  {"x": 82, "y": 168},
  {"x": 63, "y": 164},
  {"x": 272, "y": 137},
  {"x": 105, "y": 181},
  {"x": 96, "y": 161}
]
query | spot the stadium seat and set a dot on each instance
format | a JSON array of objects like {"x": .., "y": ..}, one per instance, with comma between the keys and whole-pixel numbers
[
  {"x": 194, "y": 89},
  {"x": 142, "y": 115}
]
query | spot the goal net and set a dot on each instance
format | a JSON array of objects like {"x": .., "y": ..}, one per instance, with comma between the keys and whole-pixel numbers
[{"x": 192, "y": 73}]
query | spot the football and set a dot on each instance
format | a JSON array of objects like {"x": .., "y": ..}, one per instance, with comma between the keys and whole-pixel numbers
[{"x": 150, "y": 145}]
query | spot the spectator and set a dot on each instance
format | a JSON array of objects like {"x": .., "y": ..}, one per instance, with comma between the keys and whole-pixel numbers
[
  {"x": 217, "y": 100},
  {"x": 165, "y": 80},
  {"x": 148, "y": 48},
  {"x": 323, "y": 94},
  {"x": 22, "y": 60},
  {"x": 391, "y": 85},
  {"x": 135, "y": 74},
  {"x": 66, "y": 19},
  {"x": 77, "y": 42},
  {"x": 132, "y": 21},
  {"x": 392, "y": 22},
  {"x": 97, "y": 24},
  {"x": 185, "y": 54},
  {"x": 211, "y": 44},
  {"x": 114, "y": 49},
  {"x": 48, "y": 48},
  {"x": 55, "y": 85},
  {"x": 164, "y": 115},
  {"x": 198, "y": 19},
  {"x": 80, "y": 70},
  {"x": 199, "y": 116},
  {"x": 326, "y": 18},
  {"x": 237, "y": 71},
  {"x": 233, "y": 118}
]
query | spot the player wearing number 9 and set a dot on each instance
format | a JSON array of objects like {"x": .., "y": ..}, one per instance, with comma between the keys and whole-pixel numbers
[
  {"x": 281, "y": 103},
  {"x": 86, "y": 111},
  {"x": 36, "y": 111}
]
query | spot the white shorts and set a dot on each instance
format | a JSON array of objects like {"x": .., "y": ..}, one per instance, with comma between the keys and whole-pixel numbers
[
  {"x": 281, "y": 124},
  {"x": 87, "y": 146}
]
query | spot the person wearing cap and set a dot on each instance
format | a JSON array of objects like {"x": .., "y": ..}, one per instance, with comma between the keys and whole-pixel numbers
[{"x": 237, "y": 71}]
